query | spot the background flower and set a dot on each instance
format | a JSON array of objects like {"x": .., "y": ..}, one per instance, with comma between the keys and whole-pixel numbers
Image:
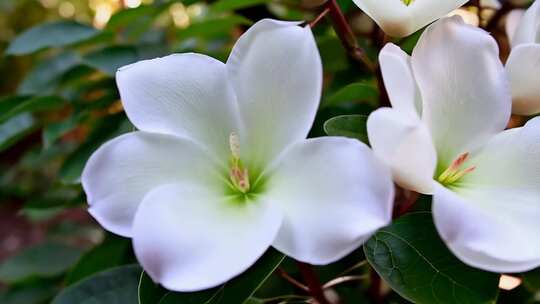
[{"x": 444, "y": 136}]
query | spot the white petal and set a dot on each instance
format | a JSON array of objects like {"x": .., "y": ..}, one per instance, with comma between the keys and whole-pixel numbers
[
  {"x": 513, "y": 19},
  {"x": 461, "y": 109},
  {"x": 122, "y": 171},
  {"x": 492, "y": 220},
  {"x": 528, "y": 30},
  {"x": 399, "y": 80},
  {"x": 523, "y": 66},
  {"x": 277, "y": 75},
  {"x": 190, "y": 238},
  {"x": 335, "y": 194},
  {"x": 404, "y": 144},
  {"x": 399, "y": 20},
  {"x": 182, "y": 94}
]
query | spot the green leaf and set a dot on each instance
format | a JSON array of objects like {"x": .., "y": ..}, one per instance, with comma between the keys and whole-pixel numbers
[
  {"x": 44, "y": 260},
  {"x": 352, "y": 126},
  {"x": 15, "y": 129},
  {"x": 112, "y": 252},
  {"x": 413, "y": 260},
  {"x": 105, "y": 129},
  {"x": 231, "y": 5},
  {"x": 16, "y": 105},
  {"x": 54, "y": 34},
  {"x": 32, "y": 294},
  {"x": 531, "y": 280},
  {"x": 238, "y": 290},
  {"x": 53, "y": 131},
  {"x": 114, "y": 286},
  {"x": 213, "y": 26},
  {"x": 354, "y": 92},
  {"x": 110, "y": 59},
  {"x": 46, "y": 76}
]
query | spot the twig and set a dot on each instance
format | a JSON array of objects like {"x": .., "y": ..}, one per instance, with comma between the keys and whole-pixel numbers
[
  {"x": 343, "y": 279},
  {"x": 375, "y": 288},
  {"x": 292, "y": 280},
  {"x": 410, "y": 199},
  {"x": 346, "y": 35},
  {"x": 314, "y": 286},
  {"x": 495, "y": 20},
  {"x": 319, "y": 17}
]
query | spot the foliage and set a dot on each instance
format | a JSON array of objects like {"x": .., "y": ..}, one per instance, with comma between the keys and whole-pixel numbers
[{"x": 59, "y": 103}]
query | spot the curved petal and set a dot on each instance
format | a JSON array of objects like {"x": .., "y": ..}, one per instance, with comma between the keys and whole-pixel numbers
[
  {"x": 492, "y": 220},
  {"x": 398, "y": 19},
  {"x": 461, "y": 108},
  {"x": 405, "y": 145},
  {"x": 334, "y": 193},
  {"x": 181, "y": 94},
  {"x": 513, "y": 19},
  {"x": 528, "y": 30},
  {"x": 484, "y": 237},
  {"x": 522, "y": 65},
  {"x": 190, "y": 238},
  {"x": 276, "y": 72},
  {"x": 122, "y": 171},
  {"x": 399, "y": 80}
]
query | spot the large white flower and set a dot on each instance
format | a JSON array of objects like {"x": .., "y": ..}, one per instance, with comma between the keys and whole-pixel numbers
[
  {"x": 523, "y": 65},
  {"x": 401, "y": 18},
  {"x": 221, "y": 169},
  {"x": 444, "y": 135}
]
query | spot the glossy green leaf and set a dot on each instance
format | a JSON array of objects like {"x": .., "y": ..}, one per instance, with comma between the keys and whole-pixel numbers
[
  {"x": 16, "y": 105},
  {"x": 15, "y": 129},
  {"x": 31, "y": 294},
  {"x": 110, "y": 59},
  {"x": 352, "y": 126},
  {"x": 54, "y": 34},
  {"x": 114, "y": 286},
  {"x": 111, "y": 253},
  {"x": 213, "y": 26},
  {"x": 413, "y": 260},
  {"x": 355, "y": 92},
  {"x": 237, "y": 291},
  {"x": 531, "y": 280},
  {"x": 44, "y": 260},
  {"x": 55, "y": 130},
  {"x": 45, "y": 77},
  {"x": 231, "y": 5},
  {"x": 105, "y": 129}
]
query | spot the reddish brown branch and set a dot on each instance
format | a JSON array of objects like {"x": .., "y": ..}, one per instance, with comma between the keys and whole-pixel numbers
[
  {"x": 346, "y": 35},
  {"x": 313, "y": 283}
]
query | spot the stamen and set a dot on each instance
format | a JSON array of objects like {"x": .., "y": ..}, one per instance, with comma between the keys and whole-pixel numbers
[
  {"x": 238, "y": 174},
  {"x": 454, "y": 172},
  {"x": 407, "y": 2}
]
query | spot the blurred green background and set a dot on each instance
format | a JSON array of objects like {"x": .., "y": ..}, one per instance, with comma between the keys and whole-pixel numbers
[{"x": 59, "y": 103}]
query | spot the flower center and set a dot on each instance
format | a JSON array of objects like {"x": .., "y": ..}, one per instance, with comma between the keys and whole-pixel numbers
[
  {"x": 407, "y": 2},
  {"x": 238, "y": 174},
  {"x": 455, "y": 171}
]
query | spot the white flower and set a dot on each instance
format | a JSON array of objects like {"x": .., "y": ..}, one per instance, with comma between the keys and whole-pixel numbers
[
  {"x": 221, "y": 169},
  {"x": 523, "y": 65},
  {"x": 444, "y": 135},
  {"x": 399, "y": 18}
]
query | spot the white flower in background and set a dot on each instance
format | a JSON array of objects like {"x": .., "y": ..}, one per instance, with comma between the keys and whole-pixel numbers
[
  {"x": 399, "y": 18},
  {"x": 221, "y": 169},
  {"x": 444, "y": 135},
  {"x": 523, "y": 65}
]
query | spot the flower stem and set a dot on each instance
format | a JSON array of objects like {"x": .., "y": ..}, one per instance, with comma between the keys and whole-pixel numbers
[
  {"x": 346, "y": 35},
  {"x": 313, "y": 283}
]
